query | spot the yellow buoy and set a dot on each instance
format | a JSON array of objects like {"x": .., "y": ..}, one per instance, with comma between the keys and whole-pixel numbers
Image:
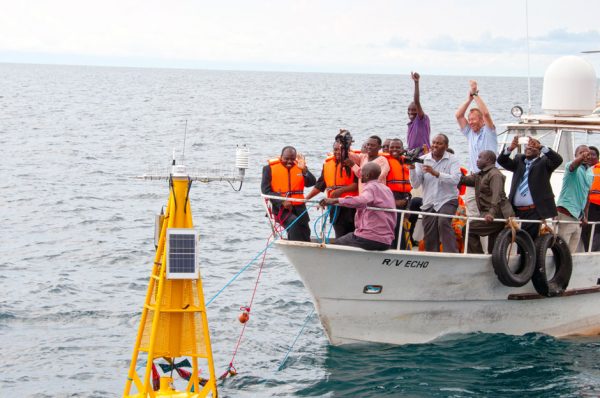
[{"x": 174, "y": 324}]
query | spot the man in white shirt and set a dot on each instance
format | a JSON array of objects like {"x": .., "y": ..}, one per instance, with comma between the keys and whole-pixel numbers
[{"x": 439, "y": 175}]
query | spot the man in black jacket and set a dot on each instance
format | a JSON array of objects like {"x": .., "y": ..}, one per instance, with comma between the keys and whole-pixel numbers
[{"x": 530, "y": 192}]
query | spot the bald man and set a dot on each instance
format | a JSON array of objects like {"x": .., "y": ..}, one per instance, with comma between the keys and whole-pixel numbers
[
  {"x": 374, "y": 228},
  {"x": 491, "y": 201}
]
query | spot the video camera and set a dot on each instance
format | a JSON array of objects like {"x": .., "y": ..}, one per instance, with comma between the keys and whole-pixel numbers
[
  {"x": 345, "y": 139},
  {"x": 412, "y": 156}
]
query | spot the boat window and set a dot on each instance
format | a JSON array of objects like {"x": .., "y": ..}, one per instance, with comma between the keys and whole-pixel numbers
[{"x": 583, "y": 138}]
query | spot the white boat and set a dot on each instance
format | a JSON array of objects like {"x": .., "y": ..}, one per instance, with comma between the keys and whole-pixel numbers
[{"x": 402, "y": 296}]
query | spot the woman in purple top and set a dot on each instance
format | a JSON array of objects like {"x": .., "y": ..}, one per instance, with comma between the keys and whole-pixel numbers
[
  {"x": 419, "y": 127},
  {"x": 374, "y": 229}
]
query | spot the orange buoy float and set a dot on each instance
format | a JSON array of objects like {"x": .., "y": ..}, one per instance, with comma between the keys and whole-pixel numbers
[{"x": 244, "y": 316}]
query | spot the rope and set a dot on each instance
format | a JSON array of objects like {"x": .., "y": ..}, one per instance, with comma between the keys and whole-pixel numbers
[
  {"x": 322, "y": 229},
  {"x": 296, "y": 339},
  {"x": 333, "y": 220},
  {"x": 245, "y": 267},
  {"x": 512, "y": 224},
  {"x": 228, "y": 372},
  {"x": 231, "y": 371}
]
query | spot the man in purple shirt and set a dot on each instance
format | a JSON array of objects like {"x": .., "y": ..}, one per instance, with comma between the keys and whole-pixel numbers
[
  {"x": 419, "y": 126},
  {"x": 374, "y": 228}
]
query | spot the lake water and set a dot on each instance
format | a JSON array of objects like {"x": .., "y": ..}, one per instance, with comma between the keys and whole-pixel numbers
[{"x": 77, "y": 241}]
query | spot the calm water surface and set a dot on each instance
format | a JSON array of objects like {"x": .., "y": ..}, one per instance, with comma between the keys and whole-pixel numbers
[{"x": 77, "y": 242}]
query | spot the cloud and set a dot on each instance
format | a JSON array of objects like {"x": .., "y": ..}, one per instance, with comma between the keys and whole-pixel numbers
[
  {"x": 558, "y": 41},
  {"x": 561, "y": 41},
  {"x": 398, "y": 42}
]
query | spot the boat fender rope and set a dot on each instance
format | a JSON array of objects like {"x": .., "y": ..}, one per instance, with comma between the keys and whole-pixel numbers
[
  {"x": 295, "y": 339},
  {"x": 546, "y": 229},
  {"x": 512, "y": 224}
]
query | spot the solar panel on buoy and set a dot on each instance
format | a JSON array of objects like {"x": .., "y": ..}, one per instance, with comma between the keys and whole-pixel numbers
[{"x": 182, "y": 262}]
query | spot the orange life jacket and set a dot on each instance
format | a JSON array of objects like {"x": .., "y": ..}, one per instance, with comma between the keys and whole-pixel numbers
[
  {"x": 335, "y": 176},
  {"x": 595, "y": 188},
  {"x": 287, "y": 182},
  {"x": 462, "y": 188},
  {"x": 398, "y": 178}
]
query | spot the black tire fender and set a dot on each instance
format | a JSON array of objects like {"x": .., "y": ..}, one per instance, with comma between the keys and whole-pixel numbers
[
  {"x": 563, "y": 263},
  {"x": 527, "y": 258}
]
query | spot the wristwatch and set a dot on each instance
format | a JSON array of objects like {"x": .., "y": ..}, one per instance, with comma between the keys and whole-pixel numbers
[{"x": 475, "y": 94}]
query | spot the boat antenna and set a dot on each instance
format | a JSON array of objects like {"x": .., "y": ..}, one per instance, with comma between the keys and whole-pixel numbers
[
  {"x": 184, "y": 137},
  {"x": 528, "y": 61}
]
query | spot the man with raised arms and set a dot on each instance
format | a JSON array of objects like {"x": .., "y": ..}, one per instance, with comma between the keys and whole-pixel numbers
[
  {"x": 419, "y": 126},
  {"x": 480, "y": 132}
]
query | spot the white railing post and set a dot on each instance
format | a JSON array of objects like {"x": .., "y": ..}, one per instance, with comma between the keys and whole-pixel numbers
[
  {"x": 466, "y": 237},
  {"x": 401, "y": 230}
]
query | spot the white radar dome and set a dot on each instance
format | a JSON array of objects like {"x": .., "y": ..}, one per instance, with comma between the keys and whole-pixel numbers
[{"x": 569, "y": 87}]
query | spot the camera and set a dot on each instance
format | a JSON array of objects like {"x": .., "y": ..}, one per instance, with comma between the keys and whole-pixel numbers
[
  {"x": 412, "y": 156},
  {"x": 345, "y": 139}
]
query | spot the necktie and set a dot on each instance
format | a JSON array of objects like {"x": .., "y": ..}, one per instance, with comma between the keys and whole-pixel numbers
[{"x": 524, "y": 184}]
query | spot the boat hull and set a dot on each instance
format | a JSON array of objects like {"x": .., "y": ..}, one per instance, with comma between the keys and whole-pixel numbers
[{"x": 402, "y": 297}]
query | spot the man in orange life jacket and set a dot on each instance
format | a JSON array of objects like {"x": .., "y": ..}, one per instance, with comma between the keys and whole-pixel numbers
[
  {"x": 340, "y": 182},
  {"x": 287, "y": 178},
  {"x": 398, "y": 180}
]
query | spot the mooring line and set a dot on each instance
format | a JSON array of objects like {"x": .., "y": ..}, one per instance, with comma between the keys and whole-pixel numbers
[{"x": 296, "y": 339}]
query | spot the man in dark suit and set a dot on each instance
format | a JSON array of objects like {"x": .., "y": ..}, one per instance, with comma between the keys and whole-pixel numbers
[{"x": 530, "y": 192}]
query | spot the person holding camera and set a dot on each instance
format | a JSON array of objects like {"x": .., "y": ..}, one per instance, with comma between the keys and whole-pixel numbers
[
  {"x": 339, "y": 182},
  {"x": 530, "y": 190},
  {"x": 398, "y": 180},
  {"x": 573, "y": 197},
  {"x": 439, "y": 175}
]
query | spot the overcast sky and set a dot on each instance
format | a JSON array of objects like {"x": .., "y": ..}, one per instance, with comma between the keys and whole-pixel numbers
[{"x": 375, "y": 36}]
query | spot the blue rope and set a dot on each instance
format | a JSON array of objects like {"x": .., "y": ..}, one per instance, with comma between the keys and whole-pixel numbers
[
  {"x": 322, "y": 216},
  {"x": 296, "y": 339},
  {"x": 333, "y": 220},
  {"x": 254, "y": 259}
]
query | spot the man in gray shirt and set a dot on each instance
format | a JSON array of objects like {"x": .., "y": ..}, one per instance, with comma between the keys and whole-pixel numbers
[{"x": 439, "y": 175}]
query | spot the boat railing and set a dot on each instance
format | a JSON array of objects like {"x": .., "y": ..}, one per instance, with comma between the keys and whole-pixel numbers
[{"x": 468, "y": 219}]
